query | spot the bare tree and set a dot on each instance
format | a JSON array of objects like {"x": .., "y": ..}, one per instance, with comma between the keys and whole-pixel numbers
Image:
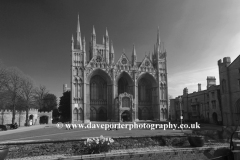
[
  {"x": 40, "y": 93},
  {"x": 13, "y": 86},
  {"x": 27, "y": 93}
]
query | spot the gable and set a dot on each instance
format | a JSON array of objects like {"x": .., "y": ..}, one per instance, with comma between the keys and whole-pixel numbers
[
  {"x": 146, "y": 63},
  {"x": 123, "y": 60},
  {"x": 96, "y": 60}
]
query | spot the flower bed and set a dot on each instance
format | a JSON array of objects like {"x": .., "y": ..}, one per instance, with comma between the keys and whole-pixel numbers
[{"x": 79, "y": 147}]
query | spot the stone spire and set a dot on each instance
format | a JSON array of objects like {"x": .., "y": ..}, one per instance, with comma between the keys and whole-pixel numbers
[
  {"x": 94, "y": 31},
  {"x": 106, "y": 32},
  {"x": 84, "y": 52},
  {"x": 134, "y": 56},
  {"x": 112, "y": 56},
  {"x": 79, "y": 41},
  {"x": 158, "y": 36},
  {"x": 111, "y": 49},
  {"x": 72, "y": 43},
  {"x": 84, "y": 45}
]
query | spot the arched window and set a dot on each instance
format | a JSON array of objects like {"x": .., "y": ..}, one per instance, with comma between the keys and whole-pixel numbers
[
  {"x": 122, "y": 85},
  {"x": 75, "y": 114},
  {"x": 93, "y": 114},
  {"x": 80, "y": 115},
  {"x": 76, "y": 87},
  {"x": 161, "y": 91},
  {"x": 162, "y": 112},
  {"x": 98, "y": 88},
  {"x": 166, "y": 113},
  {"x": 144, "y": 88}
]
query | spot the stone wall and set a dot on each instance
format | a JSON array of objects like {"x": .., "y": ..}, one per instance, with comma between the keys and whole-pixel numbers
[{"x": 20, "y": 116}]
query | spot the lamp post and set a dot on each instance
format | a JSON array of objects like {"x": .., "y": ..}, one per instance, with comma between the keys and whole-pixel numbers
[{"x": 181, "y": 117}]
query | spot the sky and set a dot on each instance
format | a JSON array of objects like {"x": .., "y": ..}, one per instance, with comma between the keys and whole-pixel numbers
[{"x": 35, "y": 36}]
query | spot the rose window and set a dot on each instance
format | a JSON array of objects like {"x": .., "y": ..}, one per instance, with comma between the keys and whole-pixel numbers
[
  {"x": 98, "y": 59},
  {"x": 124, "y": 61}
]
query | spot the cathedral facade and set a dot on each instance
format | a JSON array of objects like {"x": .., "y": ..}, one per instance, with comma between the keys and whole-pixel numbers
[{"x": 105, "y": 89}]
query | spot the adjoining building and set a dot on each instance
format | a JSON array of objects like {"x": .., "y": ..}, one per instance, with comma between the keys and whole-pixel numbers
[
  {"x": 219, "y": 104},
  {"x": 229, "y": 78},
  {"x": 125, "y": 90}
]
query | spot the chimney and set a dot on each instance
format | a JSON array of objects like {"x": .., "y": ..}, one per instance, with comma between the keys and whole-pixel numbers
[
  {"x": 64, "y": 88},
  {"x": 185, "y": 91},
  {"x": 211, "y": 81},
  {"x": 199, "y": 87}
]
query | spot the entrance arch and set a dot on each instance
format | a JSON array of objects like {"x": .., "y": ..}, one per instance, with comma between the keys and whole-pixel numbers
[
  {"x": 147, "y": 97},
  {"x": 30, "y": 120},
  {"x": 43, "y": 120},
  {"x": 98, "y": 85},
  {"x": 126, "y": 116},
  {"x": 75, "y": 114},
  {"x": 124, "y": 83}
]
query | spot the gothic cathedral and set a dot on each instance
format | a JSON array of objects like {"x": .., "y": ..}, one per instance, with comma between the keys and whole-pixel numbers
[{"x": 103, "y": 89}]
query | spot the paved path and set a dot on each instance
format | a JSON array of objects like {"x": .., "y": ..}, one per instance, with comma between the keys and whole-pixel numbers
[{"x": 25, "y": 129}]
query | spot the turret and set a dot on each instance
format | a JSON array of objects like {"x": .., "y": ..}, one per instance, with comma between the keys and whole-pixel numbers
[
  {"x": 106, "y": 44},
  {"x": 134, "y": 57},
  {"x": 84, "y": 51},
  {"x": 92, "y": 45},
  {"x": 158, "y": 48}
]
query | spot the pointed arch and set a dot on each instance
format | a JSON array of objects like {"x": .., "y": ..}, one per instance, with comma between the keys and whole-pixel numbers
[
  {"x": 75, "y": 114},
  {"x": 166, "y": 113},
  {"x": 124, "y": 83},
  {"x": 93, "y": 114},
  {"x": 75, "y": 87},
  {"x": 162, "y": 114},
  {"x": 102, "y": 114},
  {"x": 80, "y": 114},
  {"x": 145, "y": 113}
]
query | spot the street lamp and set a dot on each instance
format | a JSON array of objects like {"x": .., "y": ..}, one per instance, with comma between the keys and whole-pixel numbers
[{"x": 181, "y": 117}]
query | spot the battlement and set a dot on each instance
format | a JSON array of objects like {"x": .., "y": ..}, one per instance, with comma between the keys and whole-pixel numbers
[
  {"x": 45, "y": 112},
  {"x": 226, "y": 61},
  {"x": 211, "y": 78}
]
